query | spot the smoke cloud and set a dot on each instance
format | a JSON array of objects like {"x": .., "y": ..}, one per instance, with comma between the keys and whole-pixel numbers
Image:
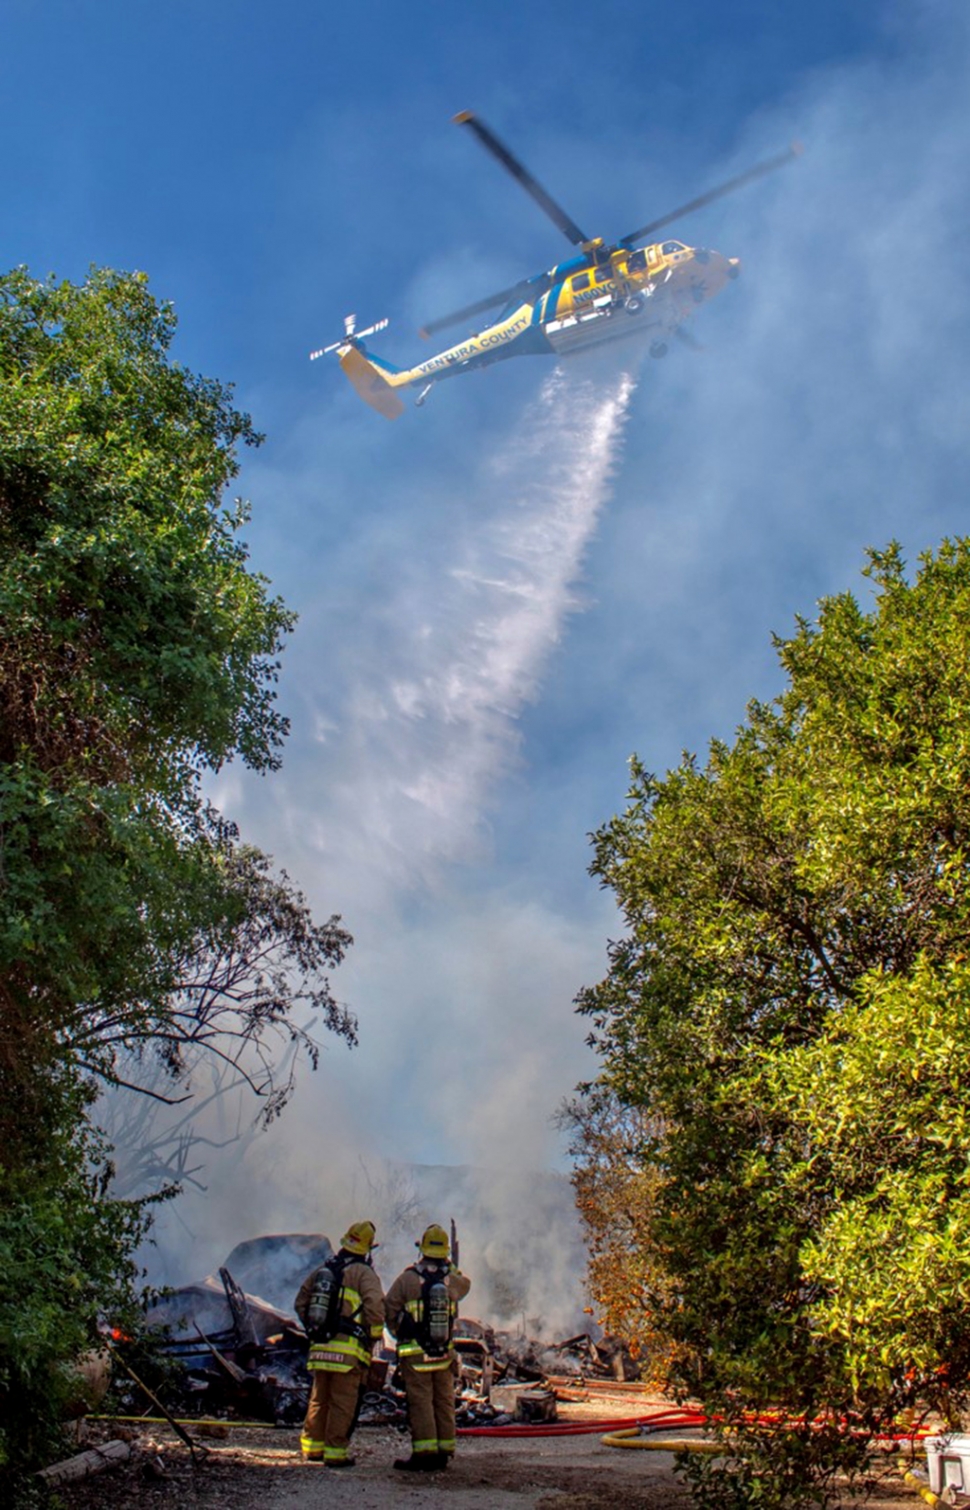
[{"x": 394, "y": 795}]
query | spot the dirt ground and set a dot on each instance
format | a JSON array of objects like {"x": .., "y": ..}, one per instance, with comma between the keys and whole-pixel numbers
[
  {"x": 252, "y": 1469},
  {"x": 249, "y": 1472}
]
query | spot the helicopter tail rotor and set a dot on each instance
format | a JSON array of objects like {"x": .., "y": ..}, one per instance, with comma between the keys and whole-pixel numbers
[{"x": 351, "y": 336}]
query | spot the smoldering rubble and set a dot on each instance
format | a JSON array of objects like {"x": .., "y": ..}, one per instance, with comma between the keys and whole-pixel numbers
[{"x": 237, "y": 1350}]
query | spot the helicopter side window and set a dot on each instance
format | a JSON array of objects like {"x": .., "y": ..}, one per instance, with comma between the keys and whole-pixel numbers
[
  {"x": 604, "y": 273},
  {"x": 580, "y": 282},
  {"x": 636, "y": 262}
]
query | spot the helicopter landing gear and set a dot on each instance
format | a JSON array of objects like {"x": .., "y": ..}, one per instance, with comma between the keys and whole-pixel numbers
[
  {"x": 658, "y": 349},
  {"x": 633, "y": 305},
  {"x": 422, "y": 396}
]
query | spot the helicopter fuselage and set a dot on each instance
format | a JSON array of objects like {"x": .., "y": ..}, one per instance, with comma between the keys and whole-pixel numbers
[{"x": 577, "y": 305}]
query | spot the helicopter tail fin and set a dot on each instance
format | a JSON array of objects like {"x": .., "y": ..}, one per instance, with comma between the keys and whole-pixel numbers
[{"x": 371, "y": 383}]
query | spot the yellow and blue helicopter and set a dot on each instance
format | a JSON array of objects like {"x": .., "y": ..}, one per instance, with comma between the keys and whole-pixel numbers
[{"x": 603, "y": 294}]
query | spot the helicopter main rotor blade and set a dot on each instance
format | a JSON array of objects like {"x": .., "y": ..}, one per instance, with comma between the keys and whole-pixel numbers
[
  {"x": 704, "y": 199},
  {"x": 545, "y": 201},
  {"x": 470, "y": 310}
]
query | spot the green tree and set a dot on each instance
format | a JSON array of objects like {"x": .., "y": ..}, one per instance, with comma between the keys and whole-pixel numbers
[
  {"x": 66, "y": 1260},
  {"x": 881, "y": 1104},
  {"x": 137, "y": 652},
  {"x": 787, "y": 1016},
  {"x": 137, "y": 649}
]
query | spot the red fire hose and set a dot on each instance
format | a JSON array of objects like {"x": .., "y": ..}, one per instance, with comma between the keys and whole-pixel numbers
[{"x": 656, "y": 1419}]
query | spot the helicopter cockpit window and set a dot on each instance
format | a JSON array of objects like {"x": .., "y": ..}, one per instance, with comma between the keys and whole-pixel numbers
[
  {"x": 670, "y": 247},
  {"x": 580, "y": 282},
  {"x": 637, "y": 262}
]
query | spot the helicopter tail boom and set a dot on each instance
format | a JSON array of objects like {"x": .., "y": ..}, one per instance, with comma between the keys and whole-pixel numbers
[{"x": 371, "y": 383}]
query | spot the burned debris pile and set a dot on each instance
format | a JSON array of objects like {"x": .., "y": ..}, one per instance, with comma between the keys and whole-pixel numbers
[
  {"x": 577, "y": 1357},
  {"x": 241, "y": 1350},
  {"x": 237, "y": 1349}
]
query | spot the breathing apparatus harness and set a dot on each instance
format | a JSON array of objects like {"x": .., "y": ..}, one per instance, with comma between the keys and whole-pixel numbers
[
  {"x": 323, "y": 1319},
  {"x": 432, "y": 1327}
]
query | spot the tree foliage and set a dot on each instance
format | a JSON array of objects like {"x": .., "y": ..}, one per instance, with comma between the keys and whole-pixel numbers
[
  {"x": 615, "y": 1194},
  {"x": 787, "y": 1021},
  {"x": 136, "y": 640},
  {"x": 66, "y": 1258},
  {"x": 138, "y": 651}
]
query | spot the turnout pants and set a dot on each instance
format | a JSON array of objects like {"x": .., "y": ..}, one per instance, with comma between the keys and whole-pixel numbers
[
  {"x": 431, "y": 1408},
  {"x": 332, "y": 1414}
]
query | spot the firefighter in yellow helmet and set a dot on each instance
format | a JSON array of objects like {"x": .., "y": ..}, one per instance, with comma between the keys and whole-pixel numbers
[
  {"x": 421, "y": 1307},
  {"x": 341, "y": 1306}
]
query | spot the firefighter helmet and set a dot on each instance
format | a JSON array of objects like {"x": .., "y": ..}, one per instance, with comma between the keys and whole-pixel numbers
[
  {"x": 359, "y": 1238},
  {"x": 434, "y": 1242}
]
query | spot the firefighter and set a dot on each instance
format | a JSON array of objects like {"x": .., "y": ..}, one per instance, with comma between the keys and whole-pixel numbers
[
  {"x": 341, "y": 1306},
  {"x": 421, "y": 1307}
]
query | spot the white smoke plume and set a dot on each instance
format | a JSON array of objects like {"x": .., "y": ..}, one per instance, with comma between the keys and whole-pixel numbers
[{"x": 388, "y": 797}]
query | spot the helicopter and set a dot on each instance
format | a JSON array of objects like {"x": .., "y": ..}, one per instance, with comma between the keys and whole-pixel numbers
[{"x": 604, "y": 293}]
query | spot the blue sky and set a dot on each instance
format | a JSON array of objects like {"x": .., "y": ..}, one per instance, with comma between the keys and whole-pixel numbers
[{"x": 504, "y": 595}]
